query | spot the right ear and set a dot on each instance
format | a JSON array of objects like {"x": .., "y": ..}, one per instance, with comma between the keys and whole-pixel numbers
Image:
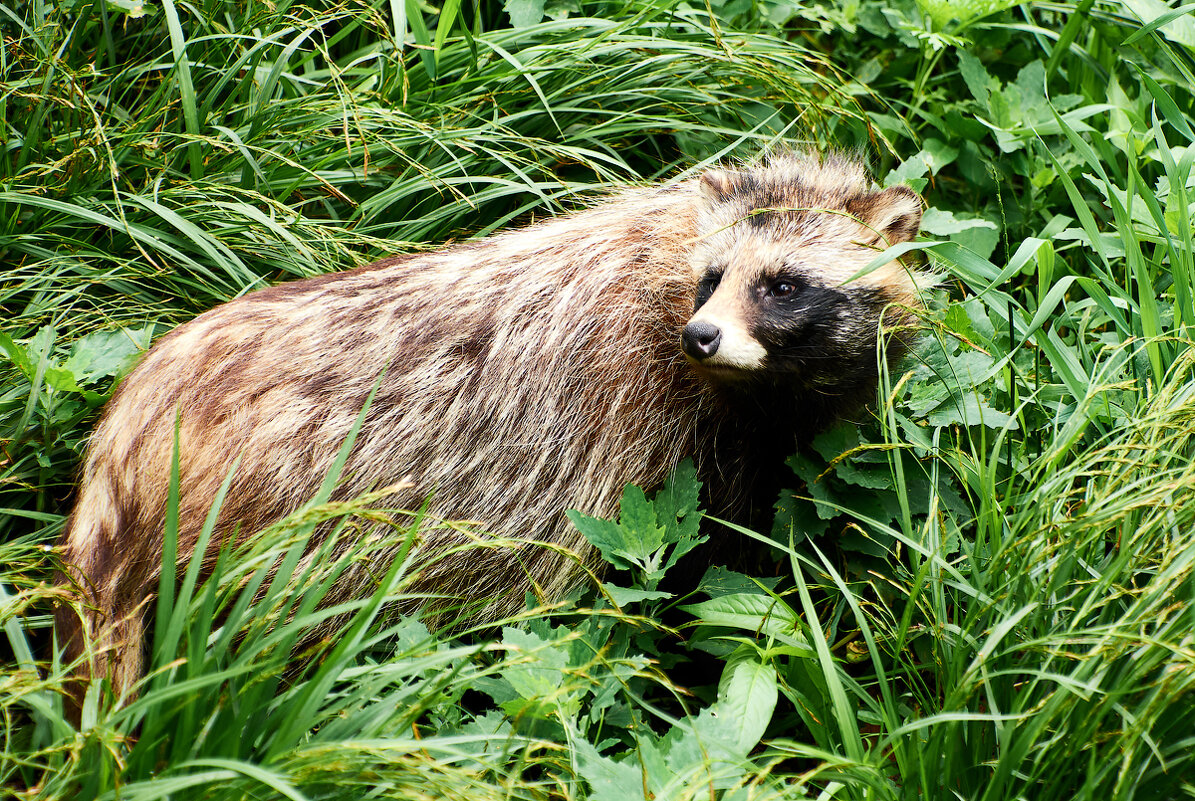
[
  {"x": 717, "y": 185},
  {"x": 894, "y": 214}
]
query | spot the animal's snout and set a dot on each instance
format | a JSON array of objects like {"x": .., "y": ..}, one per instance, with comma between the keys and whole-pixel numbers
[{"x": 700, "y": 340}]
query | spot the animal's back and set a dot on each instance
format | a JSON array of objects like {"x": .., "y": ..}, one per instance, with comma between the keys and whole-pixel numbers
[{"x": 519, "y": 377}]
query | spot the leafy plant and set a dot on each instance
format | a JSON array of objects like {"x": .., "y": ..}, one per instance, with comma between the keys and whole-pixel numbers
[{"x": 649, "y": 537}]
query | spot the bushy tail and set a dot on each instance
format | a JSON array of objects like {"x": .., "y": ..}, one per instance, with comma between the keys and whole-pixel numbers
[{"x": 101, "y": 633}]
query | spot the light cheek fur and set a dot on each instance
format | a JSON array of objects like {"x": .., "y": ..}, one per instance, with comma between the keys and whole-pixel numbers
[
  {"x": 749, "y": 264},
  {"x": 525, "y": 374},
  {"x": 730, "y": 310}
]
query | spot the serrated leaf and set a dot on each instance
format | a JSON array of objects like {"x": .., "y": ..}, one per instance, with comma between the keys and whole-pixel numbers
[
  {"x": 676, "y": 503},
  {"x": 975, "y": 76},
  {"x": 856, "y": 541},
  {"x": 484, "y": 737},
  {"x": 657, "y": 773},
  {"x": 794, "y": 519},
  {"x": 836, "y": 440},
  {"x": 641, "y": 536},
  {"x": 496, "y": 688},
  {"x": 957, "y": 320},
  {"x": 681, "y": 548},
  {"x": 878, "y": 477},
  {"x": 819, "y": 488},
  {"x": 608, "y": 780},
  {"x": 629, "y": 595},
  {"x": 676, "y": 510},
  {"x": 970, "y": 410},
  {"x": 978, "y": 314},
  {"x": 60, "y": 379},
  {"x": 806, "y": 521},
  {"x": 605, "y": 535},
  {"x": 707, "y": 746},
  {"x": 106, "y": 353},
  {"x": 16, "y": 354},
  {"x": 542, "y": 662},
  {"x": 955, "y": 374}
]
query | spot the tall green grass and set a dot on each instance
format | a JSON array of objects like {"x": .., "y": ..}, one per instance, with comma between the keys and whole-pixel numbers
[
  {"x": 986, "y": 594},
  {"x": 206, "y": 148}
]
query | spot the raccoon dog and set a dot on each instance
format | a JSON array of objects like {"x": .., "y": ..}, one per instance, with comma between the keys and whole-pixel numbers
[{"x": 722, "y": 319}]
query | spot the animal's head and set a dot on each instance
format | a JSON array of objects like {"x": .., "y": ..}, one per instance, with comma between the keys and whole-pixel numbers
[{"x": 779, "y": 267}]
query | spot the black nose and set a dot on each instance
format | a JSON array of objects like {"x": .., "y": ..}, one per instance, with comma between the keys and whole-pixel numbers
[{"x": 701, "y": 340}]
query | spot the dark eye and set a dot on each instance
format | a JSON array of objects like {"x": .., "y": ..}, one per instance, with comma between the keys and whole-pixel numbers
[
  {"x": 782, "y": 289},
  {"x": 706, "y": 287}
]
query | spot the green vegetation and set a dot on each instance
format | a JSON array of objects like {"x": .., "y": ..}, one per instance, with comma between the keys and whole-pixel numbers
[{"x": 986, "y": 594}]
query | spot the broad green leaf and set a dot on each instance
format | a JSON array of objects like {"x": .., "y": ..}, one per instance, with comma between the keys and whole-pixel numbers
[
  {"x": 758, "y": 614},
  {"x": 976, "y": 77},
  {"x": 676, "y": 502},
  {"x": 707, "y": 749},
  {"x": 970, "y": 410},
  {"x": 605, "y": 535},
  {"x": 524, "y": 13},
  {"x": 106, "y": 353},
  {"x": 540, "y": 664},
  {"x": 945, "y": 223},
  {"x": 608, "y": 780},
  {"x": 1177, "y": 27},
  {"x": 642, "y": 536},
  {"x": 629, "y": 595},
  {"x": 747, "y": 695},
  {"x": 16, "y": 354}
]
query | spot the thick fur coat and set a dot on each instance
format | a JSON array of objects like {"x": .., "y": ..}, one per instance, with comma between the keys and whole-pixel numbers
[{"x": 719, "y": 319}]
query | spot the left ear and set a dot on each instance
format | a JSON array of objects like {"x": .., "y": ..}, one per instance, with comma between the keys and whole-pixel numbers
[
  {"x": 717, "y": 185},
  {"x": 894, "y": 214}
]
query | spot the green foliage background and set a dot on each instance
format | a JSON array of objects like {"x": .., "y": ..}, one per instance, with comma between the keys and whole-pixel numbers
[{"x": 987, "y": 593}]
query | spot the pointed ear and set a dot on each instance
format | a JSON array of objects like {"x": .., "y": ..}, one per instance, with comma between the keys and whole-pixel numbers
[
  {"x": 894, "y": 214},
  {"x": 717, "y": 185}
]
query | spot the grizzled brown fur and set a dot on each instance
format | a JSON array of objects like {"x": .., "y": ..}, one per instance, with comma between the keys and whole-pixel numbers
[{"x": 525, "y": 374}]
